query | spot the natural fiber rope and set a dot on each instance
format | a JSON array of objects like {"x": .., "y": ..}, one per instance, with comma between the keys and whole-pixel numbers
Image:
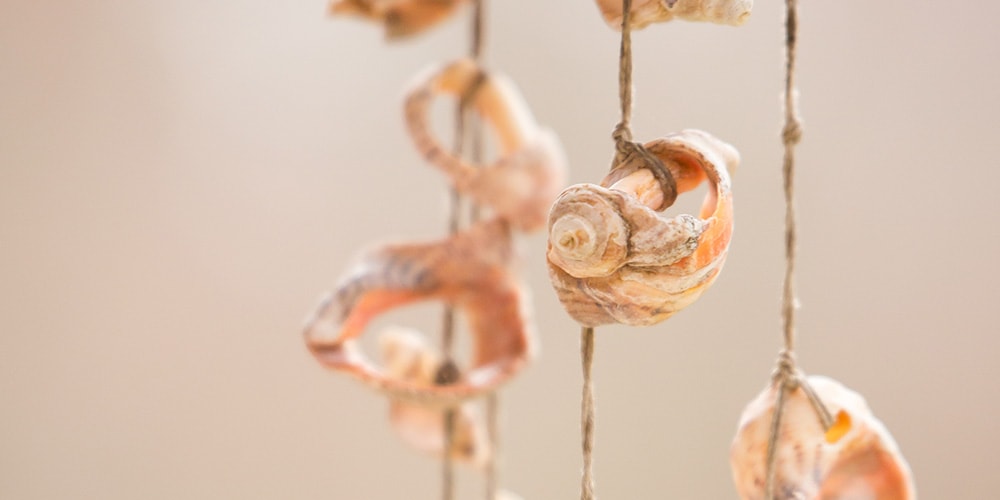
[
  {"x": 587, "y": 412},
  {"x": 476, "y": 155},
  {"x": 493, "y": 433},
  {"x": 791, "y": 134},
  {"x": 448, "y": 326},
  {"x": 786, "y": 376},
  {"x": 623, "y": 131},
  {"x": 462, "y": 133},
  {"x": 622, "y": 136}
]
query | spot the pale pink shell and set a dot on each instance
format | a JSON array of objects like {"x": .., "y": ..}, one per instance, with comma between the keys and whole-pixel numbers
[{"x": 856, "y": 459}]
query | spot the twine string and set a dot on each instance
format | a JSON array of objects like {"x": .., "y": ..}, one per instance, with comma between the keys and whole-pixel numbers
[
  {"x": 587, "y": 412},
  {"x": 787, "y": 377},
  {"x": 466, "y": 130},
  {"x": 624, "y": 146},
  {"x": 627, "y": 150},
  {"x": 622, "y": 134}
]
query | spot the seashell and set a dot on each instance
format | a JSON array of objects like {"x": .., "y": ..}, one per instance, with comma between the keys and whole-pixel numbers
[
  {"x": 646, "y": 12},
  {"x": 402, "y": 18},
  {"x": 531, "y": 170},
  {"x": 469, "y": 271},
  {"x": 612, "y": 259},
  {"x": 855, "y": 459},
  {"x": 407, "y": 357}
]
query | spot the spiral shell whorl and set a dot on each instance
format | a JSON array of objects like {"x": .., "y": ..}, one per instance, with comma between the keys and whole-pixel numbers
[{"x": 587, "y": 235}]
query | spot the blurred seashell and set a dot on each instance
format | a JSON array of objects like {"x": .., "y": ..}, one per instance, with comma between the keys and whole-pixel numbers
[
  {"x": 646, "y": 12},
  {"x": 407, "y": 357},
  {"x": 469, "y": 271},
  {"x": 855, "y": 459},
  {"x": 531, "y": 169},
  {"x": 402, "y": 18},
  {"x": 612, "y": 259}
]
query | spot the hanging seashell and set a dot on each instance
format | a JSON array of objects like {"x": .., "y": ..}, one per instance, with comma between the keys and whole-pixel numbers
[
  {"x": 531, "y": 170},
  {"x": 612, "y": 259},
  {"x": 407, "y": 357},
  {"x": 855, "y": 459},
  {"x": 402, "y": 18},
  {"x": 469, "y": 271},
  {"x": 646, "y": 12}
]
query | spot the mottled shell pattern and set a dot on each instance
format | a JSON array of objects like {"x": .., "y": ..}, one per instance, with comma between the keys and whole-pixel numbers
[
  {"x": 646, "y": 12},
  {"x": 407, "y": 357},
  {"x": 470, "y": 271},
  {"x": 856, "y": 459},
  {"x": 531, "y": 169},
  {"x": 613, "y": 259},
  {"x": 401, "y": 18}
]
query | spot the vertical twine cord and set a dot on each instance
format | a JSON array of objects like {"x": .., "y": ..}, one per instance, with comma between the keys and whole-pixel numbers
[
  {"x": 622, "y": 136},
  {"x": 462, "y": 135},
  {"x": 448, "y": 327},
  {"x": 476, "y": 155},
  {"x": 587, "y": 412},
  {"x": 791, "y": 134},
  {"x": 623, "y": 131},
  {"x": 787, "y": 376}
]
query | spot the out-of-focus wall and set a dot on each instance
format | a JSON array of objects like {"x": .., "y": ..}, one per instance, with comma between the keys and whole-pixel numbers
[{"x": 180, "y": 180}]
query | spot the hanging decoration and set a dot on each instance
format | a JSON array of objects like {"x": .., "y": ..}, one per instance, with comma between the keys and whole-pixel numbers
[
  {"x": 431, "y": 394},
  {"x": 810, "y": 437},
  {"x": 611, "y": 257}
]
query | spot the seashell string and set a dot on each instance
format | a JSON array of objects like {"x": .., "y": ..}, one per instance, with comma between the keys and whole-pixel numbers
[
  {"x": 451, "y": 415},
  {"x": 468, "y": 271},
  {"x": 611, "y": 258},
  {"x": 808, "y": 450}
]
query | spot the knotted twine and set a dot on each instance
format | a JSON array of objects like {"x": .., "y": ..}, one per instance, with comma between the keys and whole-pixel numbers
[{"x": 786, "y": 375}]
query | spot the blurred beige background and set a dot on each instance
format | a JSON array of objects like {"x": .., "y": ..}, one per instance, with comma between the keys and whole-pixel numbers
[{"x": 180, "y": 180}]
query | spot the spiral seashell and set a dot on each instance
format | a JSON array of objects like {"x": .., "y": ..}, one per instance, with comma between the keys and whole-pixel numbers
[
  {"x": 402, "y": 18},
  {"x": 531, "y": 170},
  {"x": 612, "y": 259},
  {"x": 407, "y": 357},
  {"x": 646, "y": 12},
  {"x": 855, "y": 459},
  {"x": 469, "y": 271}
]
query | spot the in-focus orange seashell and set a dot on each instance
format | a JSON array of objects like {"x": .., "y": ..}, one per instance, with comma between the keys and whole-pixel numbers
[
  {"x": 646, "y": 12},
  {"x": 612, "y": 259},
  {"x": 522, "y": 183},
  {"x": 407, "y": 357},
  {"x": 855, "y": 459},
  {"x": 469, "y": 271},
  {"x": 402, "y": 18}
]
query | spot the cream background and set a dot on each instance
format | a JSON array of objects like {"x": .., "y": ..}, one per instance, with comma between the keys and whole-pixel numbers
[{"x": 180, "y": 180}]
